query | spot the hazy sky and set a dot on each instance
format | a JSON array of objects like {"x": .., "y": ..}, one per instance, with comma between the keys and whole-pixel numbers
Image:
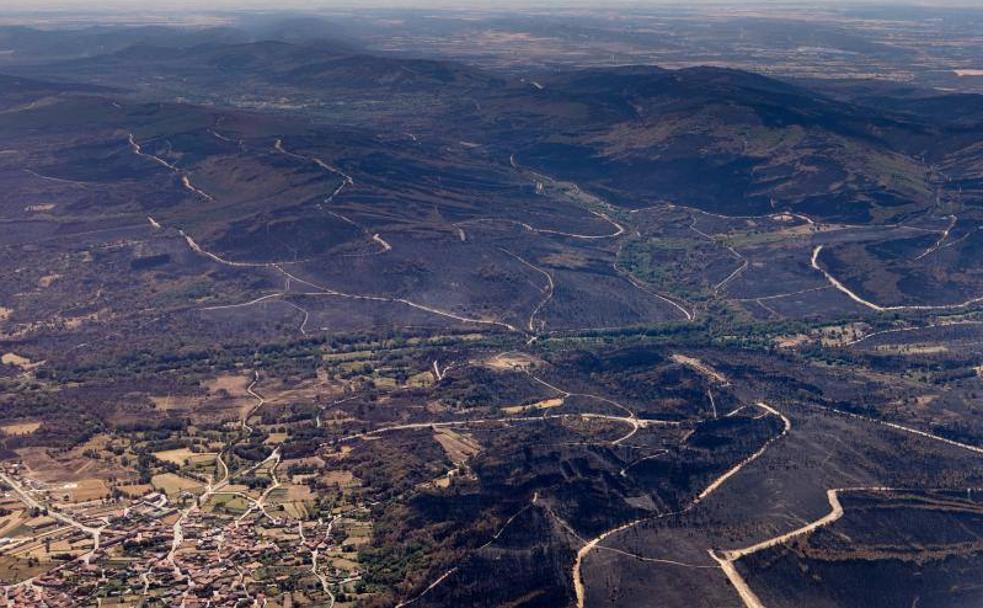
[
  {"x": 206, "y": 5},
  {"x": 208, "y": 12}
]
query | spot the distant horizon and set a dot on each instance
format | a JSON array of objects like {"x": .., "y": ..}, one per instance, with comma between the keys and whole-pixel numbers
[
  {"x": 216, "y": 13},
  {"x": 110, "y": 6}
]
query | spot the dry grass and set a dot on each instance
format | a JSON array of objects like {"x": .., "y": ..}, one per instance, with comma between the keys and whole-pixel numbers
[
  {"x": 82, "y": 490},
  {"x": 296, "y": 510},
  {"x": 171, "y": 484},
  {"x": 791, "y": 341},
  {"x": 136, "y": 490},
  {"x": 311, "y": 460},
  {"x": 227, "y": 398},
  {"x": 539, "y": 405},
  {"x": 342, "y": 478},
  {"x": 358, "y": 537},
  {"x": 20, "y": 428},
  {"x": 170, "y": 402},
  {"x": 76, "y": 322},
  {"x": 422, "y": 379},
  {"x": 53, "y": 466},
  {"x": 47, "y": 280},
  {"x": 511, "y": 361},
  {"x": 17, "y": 361},
  {"x": 343, "y": 563},
  {"x": 12, "y": 521},
  {"x": 700, "y": 367},
  {"x": 230, "y": 502},
  {"x": 41, "y": 465},
  {"x": 178, "y": 456},
  {"x": 183, "y": 456},
  {"x": 276, "y": 438},
  {"x": 307, "y": 391},
  {"x": 13, "y": 569},
  {"x": 235, "y": 386},
  {"x": 298, "y": 493},
  {"x": 458, "y": 447}
]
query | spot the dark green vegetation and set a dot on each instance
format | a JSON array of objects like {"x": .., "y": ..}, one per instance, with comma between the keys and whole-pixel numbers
[{"x": 534, "y": 342}]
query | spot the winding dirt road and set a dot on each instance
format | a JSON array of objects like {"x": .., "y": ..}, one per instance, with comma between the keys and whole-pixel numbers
[
  {"x": 726, "y": 559},
  {"x": 540, "y": 178},
  {"x": 942, "y": 239},
  {"x": 186, "y": 182},
  {"x": 547, "y": 291},
  {"x": 326, "y": 291},
  {"x": 877, "y": 307},
  {"x": 594, "y": 543}
]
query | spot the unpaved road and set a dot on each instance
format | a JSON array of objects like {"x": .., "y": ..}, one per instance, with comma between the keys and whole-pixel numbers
[
  {"x": 30, "y": 501},
  {"x": 326, "y": 291},
  {"x": 871, "y": 305},
  {"x": 547, "y": 291},
  {"x": 726, "y": 559},
  {"x": 590, "y": 545},
  {"x": 186, "y": 182}
]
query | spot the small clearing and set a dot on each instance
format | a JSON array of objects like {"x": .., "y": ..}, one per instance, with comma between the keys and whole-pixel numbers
[
  {"x": 48, "y": 280},
  {"x": 545, "y": 404},
  {"x": 172, "y": 402},
  {"x": 791, "y": 341},
  {"x": 234, "y": 386},
  {"x": 700, "y": 367},
  {"x": 511, "y": 361},
  {"x": 17, "y": 361},
  {"x": 20, "y": 428},
  {"x": 82, "y": 490},
  {"x": 342, "y": 478},
  {"x": 183, "y": 456},
  {"x": 459, "y": 447},
  {"x": 171, "y": 484}
]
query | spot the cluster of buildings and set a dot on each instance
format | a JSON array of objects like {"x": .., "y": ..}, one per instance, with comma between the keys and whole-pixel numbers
[{"x": 221, "y": 560}]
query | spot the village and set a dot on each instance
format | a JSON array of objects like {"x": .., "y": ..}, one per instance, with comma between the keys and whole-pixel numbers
[{"x": 218, "y": 547}]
